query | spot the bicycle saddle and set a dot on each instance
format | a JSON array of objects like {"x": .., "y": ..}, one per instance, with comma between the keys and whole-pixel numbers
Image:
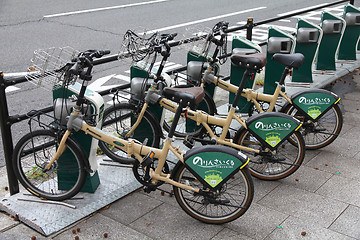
[
  {"x": 192, "y": 95},
  {"x": 294, "y": 60},
  {"x": 252, "y": 61}
]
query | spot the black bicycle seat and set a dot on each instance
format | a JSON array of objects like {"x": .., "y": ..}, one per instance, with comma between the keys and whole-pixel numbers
[
  {"x": 294, "y": 60},
  {"x": 252, "y": 61},
  {"x": 192, "y": 95}
]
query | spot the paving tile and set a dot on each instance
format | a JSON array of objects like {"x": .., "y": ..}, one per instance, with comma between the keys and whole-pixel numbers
[
  {"x": 22, "y": 231},
  {"x": 130, "y": 208},
  {"x": 303, "y": 204},
  {"x": 310, "y": 154},
  {"x": 352, "y": 134},
  {"x": 258, "y": 222},
  {"x": 167, "y": 222},
  {"x": 342, "y": 189},
  {"x": 292, "y": 228},
  {"x": 167, "y": 198},
  {"x": 307, "y": 178},
  {"x": 261, "y": 188},
  {"x": 346, "y": 128},
  {"x": 329, "y": 161},
  {"x": 348, "y": 222},
  {"x": 230, "y": 235},
  {"x": 6, "y": 221},
  {"x": 351, "y": 106},
  {"x": 343, "y": 146},
  {"x": 352, "y": 96},
  {"x": 352, "y": 118},
  {"x": 94, "y": 228}
]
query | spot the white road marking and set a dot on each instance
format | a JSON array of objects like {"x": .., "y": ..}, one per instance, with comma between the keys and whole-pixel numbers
[
  {"x": 11, "y": 89},
  {"x": 205, "y": 20},
  {"x": 104, "y": 8}
]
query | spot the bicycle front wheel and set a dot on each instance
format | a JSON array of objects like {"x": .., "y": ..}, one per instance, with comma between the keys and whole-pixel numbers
[
  {"x": 276, "y": 164},
  {"x": 65, "y": 177},
  {"x": 320, "y": 133},
  {"x": 118, "y": 121},
  {"x": 230, "y": 202}
]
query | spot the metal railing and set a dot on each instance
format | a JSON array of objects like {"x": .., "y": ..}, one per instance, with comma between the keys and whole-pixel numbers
[{"x": 6, "y": 121}]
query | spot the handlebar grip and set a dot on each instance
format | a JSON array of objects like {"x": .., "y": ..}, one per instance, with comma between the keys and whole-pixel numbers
[
  {"x": 104, "y": 52},
  {"x": 172, "y": 36}
]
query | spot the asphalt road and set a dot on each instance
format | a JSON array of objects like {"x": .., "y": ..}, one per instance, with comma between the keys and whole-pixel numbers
[{"x": 90, "y": 24}]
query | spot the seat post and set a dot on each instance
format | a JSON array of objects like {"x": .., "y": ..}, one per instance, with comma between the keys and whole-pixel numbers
[
  {"x": 241, "y": 87},
  {"x": 284, "y": 74},
  {"x": 176, "y": 118}
]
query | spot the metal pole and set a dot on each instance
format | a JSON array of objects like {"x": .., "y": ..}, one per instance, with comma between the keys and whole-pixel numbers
[
  {"x": 249, "y": 27},
  {"x": 7, "y": 138}
]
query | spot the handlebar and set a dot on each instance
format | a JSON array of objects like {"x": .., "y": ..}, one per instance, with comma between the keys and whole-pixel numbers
[{"x": 82, "y": 61}]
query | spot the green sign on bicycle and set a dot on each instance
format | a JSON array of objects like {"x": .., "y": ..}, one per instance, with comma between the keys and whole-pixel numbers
[
  {"x": 314, "y": 104},
  {"x": 213, "y": 167},
  {"x": 272, "y": 128}
]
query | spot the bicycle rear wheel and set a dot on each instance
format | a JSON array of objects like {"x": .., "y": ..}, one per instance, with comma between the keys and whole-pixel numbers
[
  {"x": 118, "y": 121},
  {"x": 277, "y": 164},
  {"x": 232, "y": 199},
  {"x": 65, "y": 177},
  {"x": 320, "y": 133}
]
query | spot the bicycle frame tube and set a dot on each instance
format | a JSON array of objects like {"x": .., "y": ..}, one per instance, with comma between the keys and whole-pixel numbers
[
  {"x": 138, "y": 120},
  {"x": 250, "y": 94},
  {"x": 133, "y": 149},
  {"x": 206, "y": 120}
]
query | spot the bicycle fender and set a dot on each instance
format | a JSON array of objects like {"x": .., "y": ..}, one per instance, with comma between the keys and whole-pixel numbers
[
  {"x": 314, "y": 102},
  {"x": 272, "y": 128},
  {"x": 213, "y": 165}
]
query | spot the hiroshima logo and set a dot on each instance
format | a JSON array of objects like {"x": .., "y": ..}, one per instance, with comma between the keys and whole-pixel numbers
[
  {"x": 273, "y": 126},
  {"x": 198, "y": 161},
  {"x": 317, "y": 101}
]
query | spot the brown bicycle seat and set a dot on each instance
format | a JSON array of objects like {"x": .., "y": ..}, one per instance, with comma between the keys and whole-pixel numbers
[
  {"x": 252, "y": 61},
  {"x": 191, "y": 95}
]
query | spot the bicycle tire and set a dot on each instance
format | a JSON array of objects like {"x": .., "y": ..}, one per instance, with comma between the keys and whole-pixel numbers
[
  {"x": 331, "y": 123},
  {"x": 207, "y": 105},
  {"x": 239, "y": 186},
  {"x": 273, "y": 169},
  {"x": 63, "y": 180},
  {"x": 118, "y": 120}
]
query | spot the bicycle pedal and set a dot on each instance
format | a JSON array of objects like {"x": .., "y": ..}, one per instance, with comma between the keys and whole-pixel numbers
[
  {"x": 150, "y": 188},
  {"x": 189, "y": 141},
  {"x": 148, "y": 159}
]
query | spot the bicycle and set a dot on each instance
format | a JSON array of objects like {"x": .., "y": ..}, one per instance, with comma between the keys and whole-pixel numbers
[
  {"x": 210, "y": 183},
  {"x": 272, "y": 139},
  {"x": 317, "y": 109}
]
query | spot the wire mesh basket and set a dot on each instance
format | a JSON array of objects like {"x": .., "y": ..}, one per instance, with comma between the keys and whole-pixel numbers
[
  {"x": 137, "y": 45},
  {"x": 194, "y": 39},
  {"x": 45, "y": 65}
]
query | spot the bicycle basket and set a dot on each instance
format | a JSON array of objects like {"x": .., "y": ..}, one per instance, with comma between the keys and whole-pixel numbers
[
  {"x": 45, "y": 64},
  {"x": 137, "y": 46},
  {"x": 194, "y": 39}
]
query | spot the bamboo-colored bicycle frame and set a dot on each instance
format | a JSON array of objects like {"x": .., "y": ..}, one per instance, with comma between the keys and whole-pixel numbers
[
  {"x": 248, "y": 93},
  {"x": 200, "y": 118},
  {"x": 132, "y": 148}
]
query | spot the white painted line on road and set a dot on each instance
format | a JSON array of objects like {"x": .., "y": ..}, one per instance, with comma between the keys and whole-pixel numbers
[
  {"x": 11, "y": 89},
  {"x": 205, "y": 20},
  {"x": 302, "y": 9},
  {"x": 104, "y": 8},
  {"x": 284, "y": 20}
]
